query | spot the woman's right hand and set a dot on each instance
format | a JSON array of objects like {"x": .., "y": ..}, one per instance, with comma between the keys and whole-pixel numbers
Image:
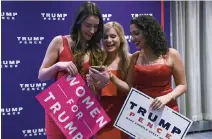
[
  {"x": 67, "y": 66},
  {"x": 90, "y": 81},
  {"x": 102, "y": 78}
]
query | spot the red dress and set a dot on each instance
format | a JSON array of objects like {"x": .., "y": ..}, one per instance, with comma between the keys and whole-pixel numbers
[
  {"x": 154, "y": 80},
  {"x": 52, "y": 130},
  {"x": 112, "y": 100}
]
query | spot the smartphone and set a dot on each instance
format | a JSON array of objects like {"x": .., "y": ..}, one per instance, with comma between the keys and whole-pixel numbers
[{"x": 98, "y": 68}]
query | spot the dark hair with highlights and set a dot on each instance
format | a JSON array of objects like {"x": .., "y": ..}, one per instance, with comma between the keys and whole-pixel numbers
[
  {"x": 153, "y": 34},
  {"x": 93, "y": 45}
]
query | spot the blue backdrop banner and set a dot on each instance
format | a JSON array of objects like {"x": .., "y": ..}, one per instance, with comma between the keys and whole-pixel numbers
[{"x": 27, "y": 29}]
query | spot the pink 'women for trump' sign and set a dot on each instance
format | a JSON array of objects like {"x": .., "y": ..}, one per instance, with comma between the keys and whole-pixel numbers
[{"x": 73, "y": 107}]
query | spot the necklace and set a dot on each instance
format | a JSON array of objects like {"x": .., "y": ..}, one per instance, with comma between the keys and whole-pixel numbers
[{"x": 146, "y": 61}]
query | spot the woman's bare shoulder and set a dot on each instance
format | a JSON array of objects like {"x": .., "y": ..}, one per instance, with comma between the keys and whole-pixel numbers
[{"x": 70, "y": 40}]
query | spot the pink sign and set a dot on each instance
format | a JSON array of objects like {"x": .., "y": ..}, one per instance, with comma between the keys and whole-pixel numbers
[{"x": 73, "y": 107}]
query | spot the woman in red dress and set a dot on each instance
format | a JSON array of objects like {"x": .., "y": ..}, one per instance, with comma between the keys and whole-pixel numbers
[
  {"x": 153, "y": 66},
  {"x": 73, "y": 53},
  {"x": 116, "y": 59}
]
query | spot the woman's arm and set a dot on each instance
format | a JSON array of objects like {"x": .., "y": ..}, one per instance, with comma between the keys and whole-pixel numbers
[
  {"x": 125, "y": 86},
  {"x": 178, "y": 72},
  {"x": 49, "y": 67}
]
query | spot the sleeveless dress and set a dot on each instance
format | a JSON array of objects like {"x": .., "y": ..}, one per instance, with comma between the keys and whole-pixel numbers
[
  {"x": 52, "y": 130},
  {"x": 154, "y": 80},
  {"x": 112, "y": 100}
]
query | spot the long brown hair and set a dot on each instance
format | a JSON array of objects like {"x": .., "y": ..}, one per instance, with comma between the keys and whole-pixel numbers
[{"x": 85, "y": 10}]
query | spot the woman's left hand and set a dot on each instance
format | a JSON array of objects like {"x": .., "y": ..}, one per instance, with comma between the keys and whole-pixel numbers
[{"x": 160, "y": 102}]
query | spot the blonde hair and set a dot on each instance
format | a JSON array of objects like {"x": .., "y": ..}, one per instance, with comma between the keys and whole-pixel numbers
[{"x": 123, "y": 49}]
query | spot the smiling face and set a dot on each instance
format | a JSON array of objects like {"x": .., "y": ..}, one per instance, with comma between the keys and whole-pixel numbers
[
  {"x": 111, "y": 41},
  {"x": 137, "y": 36},
  {"x": 89, "y": 27}
]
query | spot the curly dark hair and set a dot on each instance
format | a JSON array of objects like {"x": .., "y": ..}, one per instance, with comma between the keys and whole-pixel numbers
[
  {"x": 96, "y": 53},
  {"x": 153, "y": 34}
]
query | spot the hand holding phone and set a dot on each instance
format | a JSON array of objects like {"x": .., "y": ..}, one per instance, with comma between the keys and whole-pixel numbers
[{"x": 99, "y": 68}]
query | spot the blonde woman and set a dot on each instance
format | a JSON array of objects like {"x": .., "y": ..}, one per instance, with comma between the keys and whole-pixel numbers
[{"x": 116, "y": 59}]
